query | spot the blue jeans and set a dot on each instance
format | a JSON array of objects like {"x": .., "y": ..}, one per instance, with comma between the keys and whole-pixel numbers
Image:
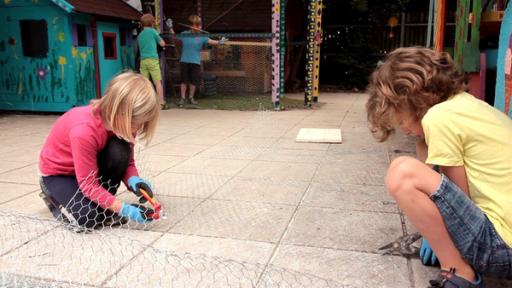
[{"x": 472, "y": 232}]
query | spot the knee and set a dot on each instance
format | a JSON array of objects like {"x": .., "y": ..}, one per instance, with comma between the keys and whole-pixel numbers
[
  {"x": 400, "y": 176},
  {"x": 118, "y": 152}
]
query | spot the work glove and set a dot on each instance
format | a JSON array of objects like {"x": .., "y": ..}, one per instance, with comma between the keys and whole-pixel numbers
[
  {"x": 223, "y": 40},
  {"x": 135, "y": 183},
  {"x": 427, "y": 255},
  {"x": 137, "y": 213}
]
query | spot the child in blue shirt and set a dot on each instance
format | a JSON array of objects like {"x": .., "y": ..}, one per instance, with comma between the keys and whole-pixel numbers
[{"x": 190, "y": 62}]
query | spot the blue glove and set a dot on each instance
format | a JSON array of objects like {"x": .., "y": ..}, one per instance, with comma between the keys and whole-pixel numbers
[
  {"x": 135, "y": 183},
  {"x": 135, "y": 213},
  {"x": 427, "y": 255}
]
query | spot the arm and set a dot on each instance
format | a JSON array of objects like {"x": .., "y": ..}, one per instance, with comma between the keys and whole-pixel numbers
[
  {"x": 213, "y": 42},
  {"x": 457, "y": 174},
  {"x": 421, "y": 149}
]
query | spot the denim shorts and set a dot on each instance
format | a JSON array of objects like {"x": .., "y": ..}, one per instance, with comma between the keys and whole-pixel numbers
[{"x": 472, "y": 232}]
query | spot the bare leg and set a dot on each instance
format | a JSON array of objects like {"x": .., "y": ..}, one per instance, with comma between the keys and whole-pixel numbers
[
  {"x": 160, "y": 91},
  {"x": 183, "y": 88},
  {"x": 411, "y": 182},
  {"x": 192, "y": 91}
]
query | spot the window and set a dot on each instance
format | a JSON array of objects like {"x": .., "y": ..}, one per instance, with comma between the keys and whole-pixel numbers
[
  {"x": 81, "y": 35},
  {"x": 34, "y": 38},
  {"x": 109, "y": 45}
]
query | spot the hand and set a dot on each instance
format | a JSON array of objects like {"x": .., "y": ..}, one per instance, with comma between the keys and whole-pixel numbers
[
  {"x": 427, "y": 255},
  {"x": 223, "y": 40},
  {"x": 137, "y": 213},
  {"x": 135, "y": 183}
]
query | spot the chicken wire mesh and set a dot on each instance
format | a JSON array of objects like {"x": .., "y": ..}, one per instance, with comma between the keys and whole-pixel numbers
[
  {"x": 113, "y": 252},
  {"x": 242, "y": 66},
  {"x": 45, "y": 253}
]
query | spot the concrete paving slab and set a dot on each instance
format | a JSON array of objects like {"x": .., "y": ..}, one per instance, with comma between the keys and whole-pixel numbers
[
  {"x": 174, "y": 209},
  {"x": 238, "y": 220},
  {"x": 290, "y": 143},
  {"x": 260, "y": 190},
  {"x": 292, "y": 155},
  {"x": 349, "y": 230},
  {"x": 173, "y": 149},
  {"x": 210, "y": 166},
  {"x": 25, "y": 175},
  {"x": 237, "y": 250},
  {"x": 361, "y": 169},
  {"x": 279, "y": 171},
  {"x": 233, "y": 152},
  {"x": 353, "y": 269},
  {"x": 12, "y": 165},
  {"x": 152, "y": 165},
  {"x": 101, "y": 253},
  {"x": 198, "y": 139},
  {"x": 30, "y": 204},
  {"x": 12, "y": 191},
  {"x": 350, "y": 197},
  {"x": 188, "y": 185},
  {"x": 19, "y": 229},
  {"x": 247, "y": 141}
]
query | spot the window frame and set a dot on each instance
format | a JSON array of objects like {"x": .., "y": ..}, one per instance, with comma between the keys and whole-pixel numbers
[{"x": 110, "y": 35}]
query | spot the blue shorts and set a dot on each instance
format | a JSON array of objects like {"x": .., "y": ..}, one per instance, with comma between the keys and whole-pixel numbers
[{"x": 472, "y": 232}]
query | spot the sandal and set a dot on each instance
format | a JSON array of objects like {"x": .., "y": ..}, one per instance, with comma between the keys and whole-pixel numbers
[{"x": 448, "y": 279}]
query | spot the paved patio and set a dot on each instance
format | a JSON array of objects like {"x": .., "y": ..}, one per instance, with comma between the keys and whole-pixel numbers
[{"x": 237, "y": 186}]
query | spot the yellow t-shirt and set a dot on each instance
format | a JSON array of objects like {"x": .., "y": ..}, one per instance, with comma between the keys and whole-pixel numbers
[{"x": 466, "y": 131}]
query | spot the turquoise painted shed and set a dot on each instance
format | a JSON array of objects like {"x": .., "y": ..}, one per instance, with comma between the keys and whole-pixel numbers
[{"x": 57, "y": 54}]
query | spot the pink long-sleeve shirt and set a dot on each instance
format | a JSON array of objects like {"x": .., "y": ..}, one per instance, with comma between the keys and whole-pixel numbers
[{"x": 72, "y": 147}]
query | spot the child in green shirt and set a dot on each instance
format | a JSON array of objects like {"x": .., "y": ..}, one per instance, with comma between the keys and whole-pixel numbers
[{"x": 147, "y": 42}]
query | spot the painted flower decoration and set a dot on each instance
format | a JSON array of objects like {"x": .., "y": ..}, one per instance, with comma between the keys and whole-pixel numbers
[{"x": 41, "y": 73}]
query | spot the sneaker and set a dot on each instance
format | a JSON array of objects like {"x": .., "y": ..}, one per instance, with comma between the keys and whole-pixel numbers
[
  {"x": 448, "y": 279},
  {"x": 181, "y": 102},
  {"x": 193, "y": 102}
]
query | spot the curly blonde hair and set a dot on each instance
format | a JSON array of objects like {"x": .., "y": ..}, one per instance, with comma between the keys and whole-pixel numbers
[{"x": 410, "y": 79}]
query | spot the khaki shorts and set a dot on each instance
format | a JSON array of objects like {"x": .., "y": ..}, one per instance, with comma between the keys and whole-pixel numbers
[{"x": 151, "y": 66}]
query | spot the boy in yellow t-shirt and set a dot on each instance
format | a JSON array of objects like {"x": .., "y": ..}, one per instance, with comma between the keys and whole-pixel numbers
[{"x": 464, "y": 212}]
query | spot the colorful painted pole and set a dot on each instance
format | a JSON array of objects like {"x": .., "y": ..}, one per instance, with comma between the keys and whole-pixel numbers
[
  {"x": 282, "y": 45},
  {"x": 439, "y": 25},
  {"x": 276, "y": 54},
  {"x": 318, "y": 42},
  {"x": 310, "y": 52},
  {"x": 460, "y": 31}
]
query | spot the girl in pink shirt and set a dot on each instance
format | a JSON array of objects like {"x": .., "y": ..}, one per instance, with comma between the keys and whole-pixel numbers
[{"x": 89, "y": 151}]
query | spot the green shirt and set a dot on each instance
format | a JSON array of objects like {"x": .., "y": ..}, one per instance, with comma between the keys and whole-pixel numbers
[{"x": 147, "y": 41}]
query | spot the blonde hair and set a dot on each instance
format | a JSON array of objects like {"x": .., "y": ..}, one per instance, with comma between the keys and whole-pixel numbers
[
  {"x": 194, "y": 19},
  {"x": 129, "y": 98},
  {"x": 411, "y": 79},
  {"x": 147, "y": 20}
]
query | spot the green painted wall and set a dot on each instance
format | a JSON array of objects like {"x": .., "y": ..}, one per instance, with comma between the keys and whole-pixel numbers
[
  {"x": 63, "y": 79},
  {"x": 27, "y": 83}
]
